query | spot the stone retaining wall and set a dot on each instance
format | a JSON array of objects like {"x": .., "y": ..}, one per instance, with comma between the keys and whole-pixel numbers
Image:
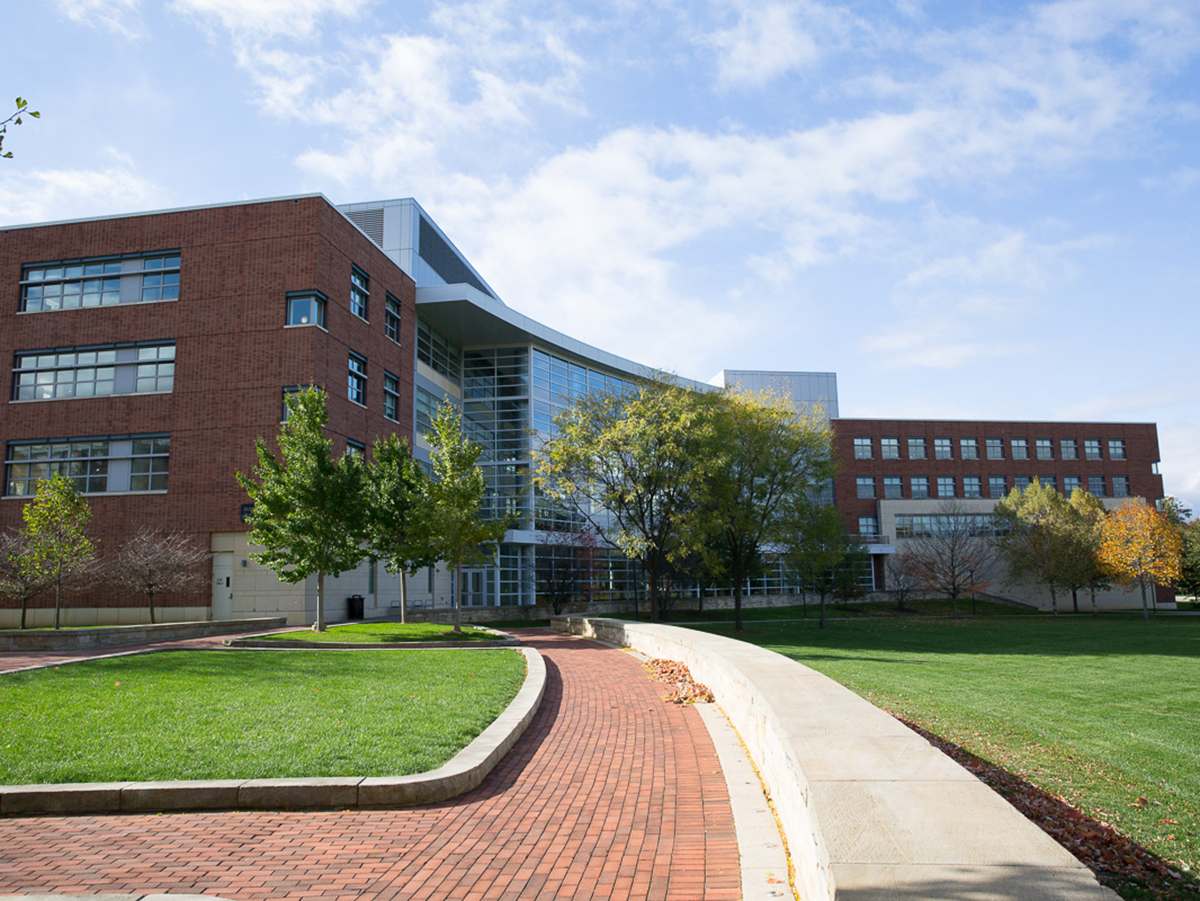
[
  {"x": 116, "y": 636},
  {"x": 870, "y": 810}
]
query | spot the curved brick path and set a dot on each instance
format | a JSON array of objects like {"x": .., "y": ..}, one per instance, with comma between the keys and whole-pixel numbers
[{"x": 610, "y": 794}]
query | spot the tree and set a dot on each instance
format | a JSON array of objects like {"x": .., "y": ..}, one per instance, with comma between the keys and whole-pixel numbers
[
  {"x": 822, "y": 552},
  {"x": 453, "y": 499},
  {"x": 764, "y": 465},
  {"x": 18, "y": 579},
  {"x": 15, "y": 119},
  {"x": 628, "y": 464},
  {"x": 566, "y": 565},
  {"x": 1035, "y": 538},
  {"x": 154, "y": 562},
  {"x": 953, "y": 558},
  {"x": 56, "y": 546},
  {"x": 1084, "y": 568},
  {"x": 900, "y": 576},
  {"x": 397, "y": 531},
  {"x": 1139, "y": 545},
  {"x": 308, "y": 507},
  {"x": 1189, "y": 572}
]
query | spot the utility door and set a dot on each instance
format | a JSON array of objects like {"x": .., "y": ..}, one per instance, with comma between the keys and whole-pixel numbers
[{"x": 222, "y": 588}]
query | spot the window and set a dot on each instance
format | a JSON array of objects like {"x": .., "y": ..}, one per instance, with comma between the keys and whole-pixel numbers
[
  {"x": 1068, "y": 448},
  {"x": 918, "y": 486},
  {"x": 868, "y": 526},
  {"x": 391, "y": 397},
  {"x": 1049, "y": 482},
  {"x": 926, "y": 525},
  {"x": 95, "y": 465},
  {"x": 1091, "y": 448},
  {"x": 76, "y": 284},
  {"x": 892, "y": 487},
  {"x": 997, "y": 486},
  {"x": 1070, "y": 483},
  {"x": 889, "y": 448},
  {"x": 916, "y": 448},
  {"x": 436, "y": 352},
  {"x": 307, "y": 308},
  {"x": 1120, "y": 486},
  {"x": 1020, "y": 448},
  {"x": 93, "y": 372},
  {"x": 995, "y": 448},
  {"x": 1044, "y": 448},
  {"x": 1096, "y": 486},
  {"x": 355, "y": 448},
  {"x": 972, "y": 486},
  {"x": 862, "y": 449},
  {"x": 1022, "y": 482},
  {"x": 1116, "y": 448},
  {"x": 391, "y": 323},
  {"x": 357, "y": 384},
  {"x": 426, "y": 409},
  {"x": 866, "y": 486},
  {"x": 968, "y": 448},
  {"x": 943, "y": 449},
  {"x": 359, "y": 292},
  {"x": 945, "y": 485}
]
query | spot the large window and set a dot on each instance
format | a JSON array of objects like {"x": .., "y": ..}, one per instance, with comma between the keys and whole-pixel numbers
[
  {"x": 918, "y": 486},
  {"x": 1049, "y": 482},
  {"x": 892, "y": 487},
  {"x": 1020, "y": 448},
  {"x": 391, "y": 322},
  {"x": 93, "y": 371},
  {"x": 995, "y": 448},
  {"x": 997, "y": 486},
  {"x": 945, "y": 486},
  {"x": 1120, "y": 485},
  {"x": 916, "y": 448},
  {"x": 1096, "y": 485},
  {"x": 972, "y": 486},
  {"x": 868, "y": 526},
  {"x": 1069, "y": 448},
  {"x": 968, "y": 448},
  {"x": 306, "y": 308},
  {"x": 356, "y": 388},
  {"x": 359, "y": 292},
  {"x": 391, "y": 396},
  {"x": 943, "y": 449},
  {"x": 438, "y": 353},
  {"x": 889, "y": 448},
  {"x": 1116, "y": 448},
  {"x": 927, "y": 525},
  {"x": 1091, "y": 448},
  {"x": 426, "y": 410},
  {"x": 1070, "y": 483},
  {"x": 865, "y": 486},
  {"x": 95, "y": 465},
  {"x": 862, "y": 448},
  {"x": 74, "y": 284},
  {"x": 1044, "y": 448}
]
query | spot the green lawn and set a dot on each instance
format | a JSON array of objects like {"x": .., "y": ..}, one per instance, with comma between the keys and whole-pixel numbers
[
  {"x": 250, "y": 714},
  {"x": 812, "y": 610},
  {"x": 1102, "y": 712},
  {"x": 387, "y": 633}
]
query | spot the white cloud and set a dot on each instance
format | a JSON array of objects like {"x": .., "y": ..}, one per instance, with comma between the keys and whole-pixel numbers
[
  {"x": 46, "y": 194},
  {"x": 770, "y": 39},
  {"x": 1180, "y": 181},
  {"x": 258, "y": 19},
  {"x": 120, "y": 16}
]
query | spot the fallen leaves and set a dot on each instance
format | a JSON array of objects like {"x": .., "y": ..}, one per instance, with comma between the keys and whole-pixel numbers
[{"x": 687, "y": 690}]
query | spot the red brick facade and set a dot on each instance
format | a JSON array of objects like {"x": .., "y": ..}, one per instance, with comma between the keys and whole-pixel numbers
[{"x": 233, "y": 353}]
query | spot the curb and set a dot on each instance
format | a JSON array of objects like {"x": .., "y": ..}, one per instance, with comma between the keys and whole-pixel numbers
[
  {"x": 463, "y": 772},
  {"x": 502, "y": 640}
]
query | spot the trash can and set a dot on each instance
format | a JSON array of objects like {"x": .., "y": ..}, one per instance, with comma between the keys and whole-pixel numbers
[{"x": 354, "y": 606}]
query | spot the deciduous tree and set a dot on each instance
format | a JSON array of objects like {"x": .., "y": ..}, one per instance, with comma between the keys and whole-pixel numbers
[
  {"x": 57, "y": 547},
  {"x": 1084, "y": 569},
  {"x": 395, "y": 512},
  {"x": 1140, "y": 546},
  {"x": 18, "y": 579},
  {"x": 900, "y": 577},
  {"x": 764, "y": 463},
  {"x": 453, "y": 498},
  {"x": 154, "y": 562},
  {"x": 308, "y": 507},
  {"x": 566, "y": 566},
  {"x": 823, "y": 552},
  {"x": 1036, "y": 539},
  {"x": 15, "y": 118},
  {"x": 629, "y": 464},
  {"x": 955, "y": 558}
]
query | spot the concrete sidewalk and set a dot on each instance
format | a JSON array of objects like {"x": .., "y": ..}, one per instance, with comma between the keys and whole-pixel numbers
[{"x": 609, "y": 794}]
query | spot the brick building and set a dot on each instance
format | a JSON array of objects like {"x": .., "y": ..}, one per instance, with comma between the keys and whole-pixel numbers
[{"x": 150, "y": 350}]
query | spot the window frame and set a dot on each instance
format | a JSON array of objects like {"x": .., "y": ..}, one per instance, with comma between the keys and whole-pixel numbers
[
  {"x": 1043, "y": 448},
  {"x": 118, "y": 280},
  {"x": 916, "y": 443},
  {"x": 391, "y": 396},
  {"x": 356, "y": 384},
  {"x": 863, "y": 485},
  {"x": 1019, "y": 448},
  {"x": 864, "y": 447},
  {"x": 392, "y": 316},
  {"x": 1116, "y": 449},
  {"x": 95, "y": 467},
  {"x": 994, "y": 447},
  {"x": 124, "y": 367},
  {"x": 943, "y": 448},
  {"x": 893, "y": 488},
  {"x": 317, "y": 301},
  {"x": 889, "y": 448},
  {"x": 360, "y": 293}
]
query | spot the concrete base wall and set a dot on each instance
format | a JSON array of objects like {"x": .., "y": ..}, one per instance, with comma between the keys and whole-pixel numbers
[
  {"x": 43, "y": 617},
  {"x": 116, "y": 636},
  {"x": 870, "y": 810}
]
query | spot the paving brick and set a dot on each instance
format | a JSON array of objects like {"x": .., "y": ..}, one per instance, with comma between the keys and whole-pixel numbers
[{"x": 610, "y": 793}]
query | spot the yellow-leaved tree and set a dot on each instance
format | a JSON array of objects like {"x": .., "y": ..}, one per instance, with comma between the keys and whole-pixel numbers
[{"x": 1140, "y": 546}]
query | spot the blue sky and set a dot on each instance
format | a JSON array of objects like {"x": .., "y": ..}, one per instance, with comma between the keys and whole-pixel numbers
[{"x": 967, "y": 209}]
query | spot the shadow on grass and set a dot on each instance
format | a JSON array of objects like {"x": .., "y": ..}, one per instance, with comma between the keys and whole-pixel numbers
[{"x": 1132, "y": 870}]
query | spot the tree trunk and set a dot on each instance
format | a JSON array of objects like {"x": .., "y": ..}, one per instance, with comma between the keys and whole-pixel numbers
[
  {"x": 954, "y": 606},
  {"x": 1075, "y": 599},
  {"x": 403, "y": 595},
  {"x": 24, "y": 607},
  {"x": 822, "y": 610},
  {"x": 150, "y": 594},
  {"x": 737, "y": 605},
  {"x": 458, "y": 596},
  {"x": 58, "y": 597},
  {"x": 1054, "y": 600},
  {"x": 319, "y": 625},
  {"x": 1095, "y": 612},
  {"x": 1145, "y": 609}
]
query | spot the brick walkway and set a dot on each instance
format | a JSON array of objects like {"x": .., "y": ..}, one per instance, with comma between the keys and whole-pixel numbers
[{"x": 610, "y": 794}]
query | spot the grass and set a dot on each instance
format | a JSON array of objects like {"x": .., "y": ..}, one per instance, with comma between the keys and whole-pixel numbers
[
  {"x": 250, "y": 714},
  {"x": 387, "y": 633},
  {"x": 812, "y": 610},
  {"x": 1099, "y": 711}
]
